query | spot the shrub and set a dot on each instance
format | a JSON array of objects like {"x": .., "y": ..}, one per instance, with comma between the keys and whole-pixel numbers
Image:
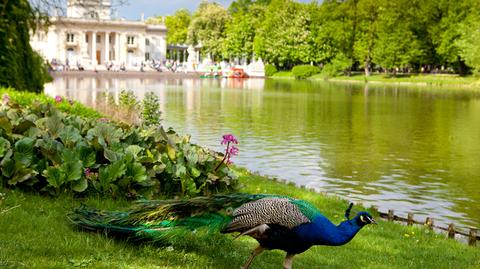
[
  {"x": 339, "y": 64},
  {"x": 48, "y": 151},
  {"x": 151, "y": 110},
  {"x": 305, "y": 71},
  {"x": 270, "y": 70}
]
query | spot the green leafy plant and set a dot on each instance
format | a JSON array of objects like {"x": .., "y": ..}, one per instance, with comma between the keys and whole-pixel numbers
[
  {"x": 151, "y": 109},
  {"x": 338, "y": 65},
  {"x": 305, "y": 71},
  {"x": 270, "y": 70},
  {"x": 45, "y": 150}
]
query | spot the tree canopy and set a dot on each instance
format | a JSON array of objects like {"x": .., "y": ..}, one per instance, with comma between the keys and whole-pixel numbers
[
  {"x": 20, "y": 66},
  {"x": 382, "y": 35}
]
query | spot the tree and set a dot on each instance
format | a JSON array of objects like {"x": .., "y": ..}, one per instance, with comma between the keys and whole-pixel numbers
[
  {"x": 20, "y": 66},
  {"x": 469, "y": 41},
  {"x": 240, "y": 31},
  {"x": 244, "y": 6},
  {"x": 285, "y": 36},
  {"x": 207, "y": 27},
  {"x": 396, "y": 45},
  {"x": 368, "y": 14},
  {"x": 447, "y": 31},
  {"x": 177, "y": 27}
]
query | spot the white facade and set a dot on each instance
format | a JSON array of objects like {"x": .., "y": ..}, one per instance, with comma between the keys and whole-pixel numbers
[{"x": 87, "y": 37}]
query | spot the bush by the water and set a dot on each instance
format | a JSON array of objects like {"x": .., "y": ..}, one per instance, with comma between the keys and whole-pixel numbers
[
  {"x": 305, "y": 71},
  {"x": 338, "y": 65},
  {"x": 270, "y": 70},
  {"x": 46, "y": 150}
]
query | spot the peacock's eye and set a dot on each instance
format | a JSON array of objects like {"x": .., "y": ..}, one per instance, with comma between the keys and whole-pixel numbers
[
  {"x": 362, "y": 219},
  {"x": 229, "y": 211}
]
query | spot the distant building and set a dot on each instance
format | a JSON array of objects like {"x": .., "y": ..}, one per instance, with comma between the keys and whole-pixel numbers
[{"x": 89, "y": 37}]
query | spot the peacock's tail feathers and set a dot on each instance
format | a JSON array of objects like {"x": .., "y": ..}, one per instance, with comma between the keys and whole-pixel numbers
[{"x": 160, "y": 219}]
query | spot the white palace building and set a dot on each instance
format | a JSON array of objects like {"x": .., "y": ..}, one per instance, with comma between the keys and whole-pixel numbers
[{"x": 90, "y": 38}]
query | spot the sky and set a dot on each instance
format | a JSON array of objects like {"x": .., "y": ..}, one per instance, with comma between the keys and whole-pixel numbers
[{"x": 134, "y": 8}]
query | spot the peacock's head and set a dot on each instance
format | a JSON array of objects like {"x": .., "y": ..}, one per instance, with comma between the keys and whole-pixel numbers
[{"x": 363, "y": 218}]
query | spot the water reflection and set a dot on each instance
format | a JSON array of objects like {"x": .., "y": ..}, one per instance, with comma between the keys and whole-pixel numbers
[{"x": 410, "y": 149}]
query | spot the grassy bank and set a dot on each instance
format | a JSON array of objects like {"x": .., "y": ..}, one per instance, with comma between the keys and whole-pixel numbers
[
  {"x": 424, "y": 80},
  {"x": 36, "y": 234}
]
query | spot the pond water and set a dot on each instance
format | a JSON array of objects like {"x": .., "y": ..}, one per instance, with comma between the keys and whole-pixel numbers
[{"x": 412, "y": 149}]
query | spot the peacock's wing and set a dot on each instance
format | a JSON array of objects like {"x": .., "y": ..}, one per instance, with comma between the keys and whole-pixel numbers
[
  {"x": 155, "y": 219},
  {"x": 282, "y": 211}
]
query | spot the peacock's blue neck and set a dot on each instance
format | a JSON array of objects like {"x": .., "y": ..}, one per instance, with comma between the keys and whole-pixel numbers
[{"x": 322, "y": 231}]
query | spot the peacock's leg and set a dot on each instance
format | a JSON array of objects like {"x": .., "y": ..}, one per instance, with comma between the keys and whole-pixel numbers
[
  {"x": 255, "y": 252},
  {"x": 288, "y": 261}
]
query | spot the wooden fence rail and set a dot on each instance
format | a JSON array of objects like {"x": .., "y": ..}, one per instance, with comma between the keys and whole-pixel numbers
[{"x": 451, "y": 230}]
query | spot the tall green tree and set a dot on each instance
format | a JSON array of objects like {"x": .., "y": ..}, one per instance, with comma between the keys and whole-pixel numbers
[
  {"x": 368, "y": 12},
  {"x": 240, "y": 31},
  {"x": 177, "y": 27},
  {"x": 207, "y": 28},
  {"x": 444, "y": 34},
  {"x": 285, "y": 36},
  {"x": 20, "y": 66},
  {"x": 396, "y": 45},
  {"x": 469, "y": 41}
]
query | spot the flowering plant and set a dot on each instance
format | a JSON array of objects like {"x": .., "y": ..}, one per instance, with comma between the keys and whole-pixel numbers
[
  {"x": 58, "y": 99},
  {"x": 5, "y": 99},
  {"x": 230, "y": 150}
]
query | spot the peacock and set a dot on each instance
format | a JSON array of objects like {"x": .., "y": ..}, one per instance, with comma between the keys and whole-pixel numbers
[{"x": 276, "y": 222}]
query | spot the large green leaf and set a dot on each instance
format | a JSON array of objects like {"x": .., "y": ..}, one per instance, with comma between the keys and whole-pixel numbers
[
  {"x": 137, "y": 172},
  {"x": 55, "y": 177},
  {"x": 54, "y": 125},
  {"x": 24, "y": 151},
  {"x": 87, "y": 155},
  {"x": 195, "y": 172},
  {"x": 5, "y": 123},
  {"x": 69, "y": 136},
  {"x": 4, "y": 146},
  {"x": 134, "y": 151},
  {"x": 8, "y": 167},
  {"x": 51, "y": 149},
  {"x": 80, "y": 185},
  {"x": 22, "y": 174},
  {"x": 171, "y": 152},
  {"x": 23, "y": 126},
  {"x": 110, "y": 155},
  {"x": 112, "y": 172}
]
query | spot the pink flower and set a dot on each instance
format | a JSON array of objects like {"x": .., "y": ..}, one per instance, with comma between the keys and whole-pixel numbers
[
  {"x": 87, "y": 172},
  {"x": 229, "y": 138},
  {"x": 103, "y": 120},
  {"x": 58, "y": 99},
  {"x": 233, "y": 151},
  {"x": 5, "y": 99}
]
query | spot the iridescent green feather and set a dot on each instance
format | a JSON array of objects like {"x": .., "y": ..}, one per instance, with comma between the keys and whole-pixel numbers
[
  {"x": 306, "y": 208},
  {"x": 159, "y": 219}
]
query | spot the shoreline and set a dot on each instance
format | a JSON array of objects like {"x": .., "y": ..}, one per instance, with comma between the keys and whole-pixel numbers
[{"x": 126, "y": 74}]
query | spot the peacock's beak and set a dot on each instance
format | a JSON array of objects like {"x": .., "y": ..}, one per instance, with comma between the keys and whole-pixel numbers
[{"x": 372, "y": 221}]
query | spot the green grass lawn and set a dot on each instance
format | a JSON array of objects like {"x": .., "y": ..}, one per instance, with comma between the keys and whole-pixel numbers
[
  {"x": 433, "y": 80},
  {"x": 36, "y": 234},
  {"x": 415, "y": 79}
]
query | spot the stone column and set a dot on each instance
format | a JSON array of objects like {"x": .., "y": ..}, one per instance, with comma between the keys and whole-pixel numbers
[
  {"x": 106, "y": 47},
  {"x": 94, "y": 49},
  {"x": 117, "y": 48},
  {"x": 83, "y": 47}
]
